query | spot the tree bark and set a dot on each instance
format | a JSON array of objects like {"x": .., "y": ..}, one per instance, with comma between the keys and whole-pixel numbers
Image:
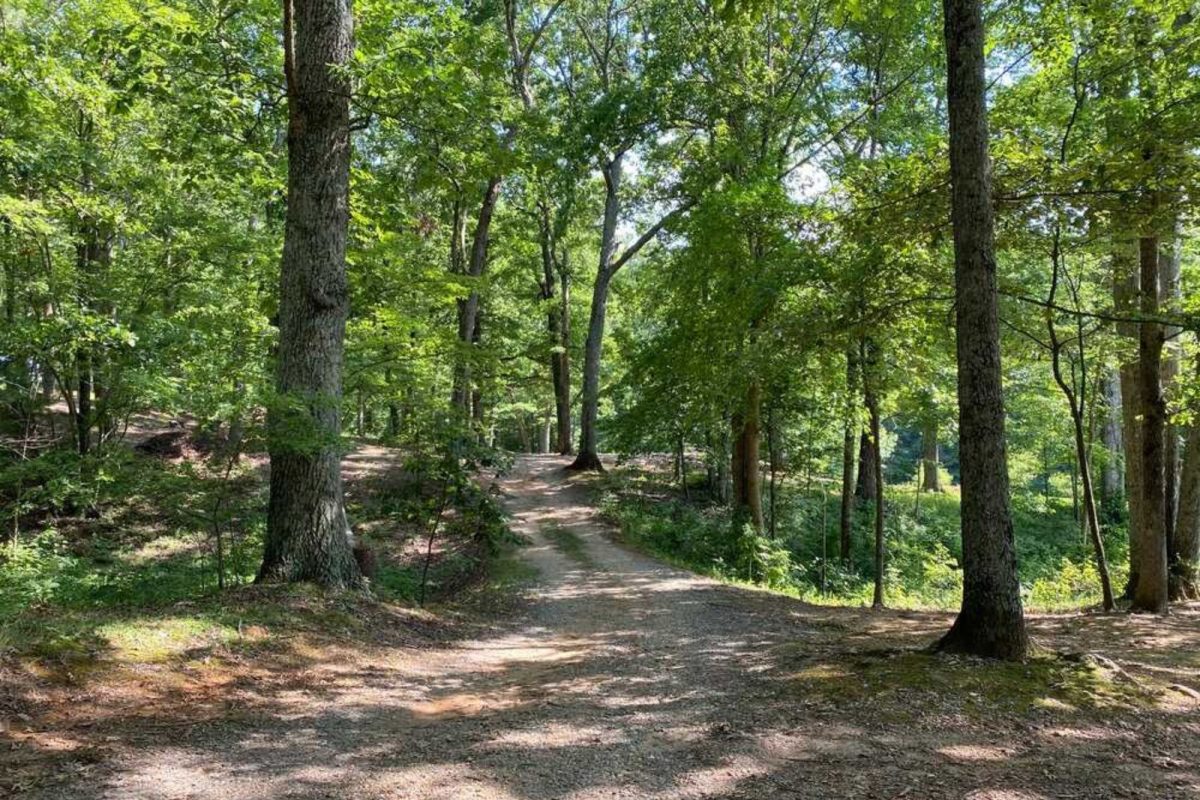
[
  {"x": 588, "y": 458},
  {"x": 308, "y": 537},
  {"x": 562, "y": 388},
  {"x": 1150, "y": 593},
  {"x": 1169, "y": 267},
  {"x": 468, "y": 308},
  {"x": 864, "y": 488},
  {"x": 745, "y": 468},
  {"x": 872, "y": 400},
  {"x": 1076, "y": 396},
  {"x": 1111, "y": 479},
  {"x": 1185, "y": 573},
  {"x": 1126, "y": 289},
  {"x": 991, "y": 622},
  {"x": 930, "y": 480},
  {"x": 83, "y": 406},
  {"x": 846, "y": 519},
  {"x": 393, "y": 423},
  {"x": 774, "y": 463},
  {"x": 556, "y": 283}
]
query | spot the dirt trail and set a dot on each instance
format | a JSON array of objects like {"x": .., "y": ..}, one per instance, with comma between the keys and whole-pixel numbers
[{"x": 625, "y": 678}]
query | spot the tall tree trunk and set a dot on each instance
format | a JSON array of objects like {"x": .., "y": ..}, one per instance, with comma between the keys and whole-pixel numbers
[
  {"x": 872, "y": 400},
  {"x": 1111, "y": 479},
  {"x": 83, "y": 406},
  {"x": 1169, "y": 266},
  {"x": 468, "y": 308},
  {"x": 562, "y": 388},
  {"x": 1126, "y": 289},
  {"x": 991, "y": 622},
  {"x": 1185, "y": 573},
  {"x": 84, "y": 257},
  {"x": 588, "y": 458},
  {"x": 544, "y": 428},
  {"x": 1076, "y": 395},
  {"x": 864, "y": 488},
  {"x": 846, "y": 518},
  {"x": 308, "y": 537},
  {"x": 393, "y": 423},
  {"x": 773, "y": 464},
  {"x": 930, "y": 481},
  {"x": 745, "y": 468},
  {"x": 720, "y": 453},
  {"x": 1150, "y": 594},
  {"x": 476, "y": 408},
  {"x": 556, "y": 282}
]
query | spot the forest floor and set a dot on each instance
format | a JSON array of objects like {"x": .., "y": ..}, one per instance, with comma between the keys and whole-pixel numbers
[{"x": 612, "y": 675}]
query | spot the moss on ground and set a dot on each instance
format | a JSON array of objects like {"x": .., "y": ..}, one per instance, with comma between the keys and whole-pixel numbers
[
  {"x": 907, "y": 684},
  {"x": 569, "y": 543}
]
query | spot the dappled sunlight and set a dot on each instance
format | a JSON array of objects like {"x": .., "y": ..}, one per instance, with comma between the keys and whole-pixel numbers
[
  {"x": 556, "y": 735},
  {"x": 973, "y": 752},
  {"x": 465, "y": 704},
  {"x": 1088, "y": 734},
  {"x": 623, "y": 677}
]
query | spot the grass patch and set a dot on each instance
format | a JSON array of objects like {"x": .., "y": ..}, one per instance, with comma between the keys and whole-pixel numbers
[
  {"x": 241, "y": 619},
  {"x": 509, "y": 571},
  {"x": 908, "y": 684},
  {"x": 130, "y": 576},
  {"x": 569, "y": 543},
  {"x": 922, "y": 540},
  {"x": 500, "y": 592}
]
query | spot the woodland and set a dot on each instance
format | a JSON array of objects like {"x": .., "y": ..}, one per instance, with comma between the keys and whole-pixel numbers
[{"x": 822, "y": 352}]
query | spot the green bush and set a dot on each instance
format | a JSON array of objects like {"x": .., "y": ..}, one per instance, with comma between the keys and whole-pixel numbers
[
  {"x": 922, "y": 541},
  {"x": 38, "y": 571}
]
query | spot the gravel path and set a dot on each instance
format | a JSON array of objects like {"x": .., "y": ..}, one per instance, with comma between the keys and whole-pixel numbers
[{"x": 623, "y": 678}]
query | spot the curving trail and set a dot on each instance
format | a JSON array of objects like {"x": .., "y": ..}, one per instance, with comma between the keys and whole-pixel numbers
[{"x": 621, "y": 677}]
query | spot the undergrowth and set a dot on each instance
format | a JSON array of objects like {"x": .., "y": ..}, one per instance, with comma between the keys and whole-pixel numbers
[
  {"x": 116, "y": 556},
  {"x": 923, "y": 545}
]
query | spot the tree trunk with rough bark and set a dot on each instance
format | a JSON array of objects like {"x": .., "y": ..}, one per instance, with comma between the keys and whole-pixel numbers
[
  {"x": 846, "y": 518},
  {"x": 1169, "y": 267},
  {"x": 747, "y": 481},
  {"x": 589, "y": 458},
  {"x": 774, "y": 465},
  {"x": 1126, "y": 289},
  {"x": 1111, "y": 485},
  {"x": 1150, "y": 593},
  {"x": 930, "y": 480},
  {"x": 1076, "y": 395},
  {"x": 468, "y": 308},
  {"x": 83, "y": 405},
  {"x": 308, "y": 537},
  {"x": 991, "y": 622},
  {"x": 872, "y": 400},
  {"x": 562, "y": 387},
  {"x": 864, "y": 487},
  {"x": 556, "y": 283},
  {"x": 1185, "y": 573}
]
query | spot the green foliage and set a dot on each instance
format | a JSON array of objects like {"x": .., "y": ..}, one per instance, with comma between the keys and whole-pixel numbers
[
  {"x": 38, "y": 571},
  {"x": 922, "y": 543},
  {"x": 803, "y": 147}
]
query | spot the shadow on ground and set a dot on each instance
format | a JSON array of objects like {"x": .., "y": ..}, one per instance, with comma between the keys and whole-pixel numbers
[{"x": 622, "y": 677}]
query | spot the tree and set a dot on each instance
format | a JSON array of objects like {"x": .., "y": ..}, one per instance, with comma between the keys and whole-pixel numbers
[
  {"x": 1185, "y": 576},
  {"x": 622, "y": 115},
  {"x": 846, "y": 512},
  {"x": 308, "y": 536},
  {"x": 991, "y": 622},
  {"x": 1150, "y": 592},
  {"x": 871, "y": 379},
  {"x": 1076, "y": 391}
]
